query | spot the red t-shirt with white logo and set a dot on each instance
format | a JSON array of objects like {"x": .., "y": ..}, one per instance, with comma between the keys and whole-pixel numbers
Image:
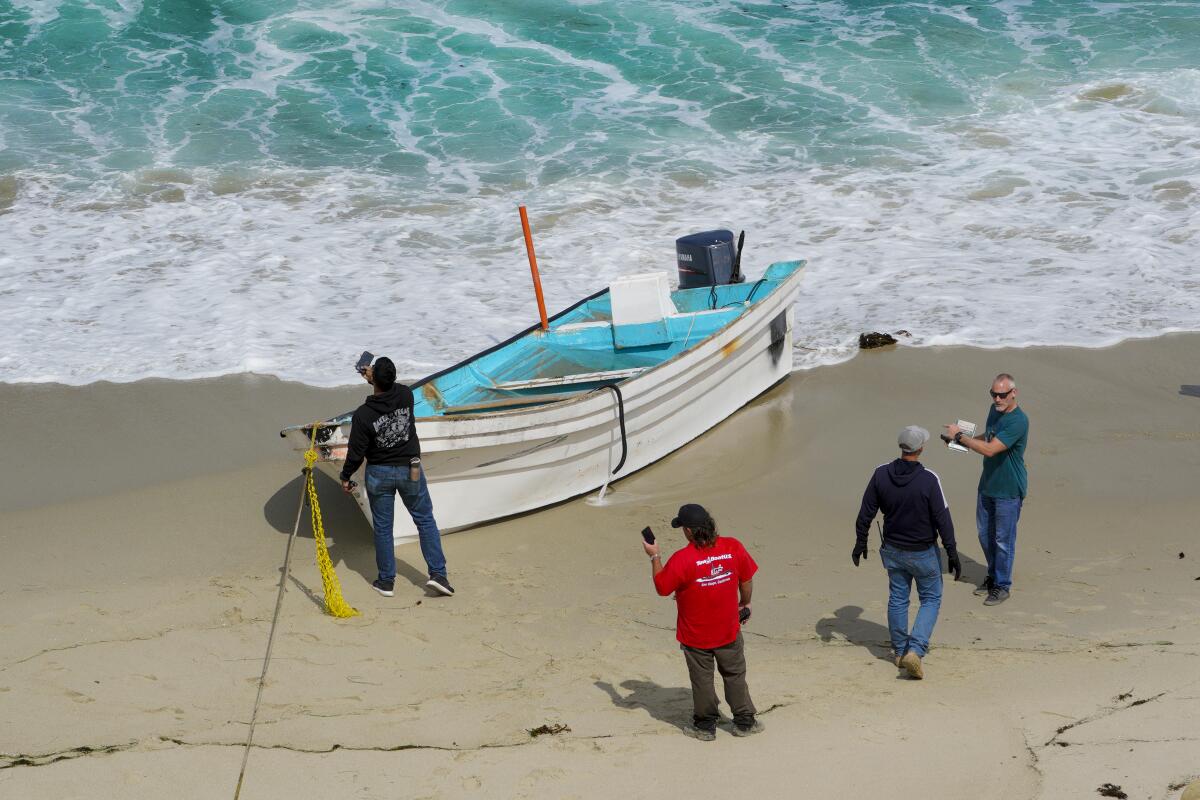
[{"x": 705, "y": 582}]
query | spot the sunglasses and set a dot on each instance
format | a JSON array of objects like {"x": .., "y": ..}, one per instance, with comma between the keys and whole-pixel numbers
[{"x": 1000, "y": 395}]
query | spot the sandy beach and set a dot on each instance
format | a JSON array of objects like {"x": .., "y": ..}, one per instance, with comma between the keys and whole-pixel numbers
[{"x": 143, "y": 527}]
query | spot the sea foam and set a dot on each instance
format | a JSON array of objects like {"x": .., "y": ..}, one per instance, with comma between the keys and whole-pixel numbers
[{"x": 274, "y": 192}]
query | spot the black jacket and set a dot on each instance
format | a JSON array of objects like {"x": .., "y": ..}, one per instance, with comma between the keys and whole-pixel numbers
[
  {"x": 914, "y": 509},
  {"x": 382, "y": 431}
]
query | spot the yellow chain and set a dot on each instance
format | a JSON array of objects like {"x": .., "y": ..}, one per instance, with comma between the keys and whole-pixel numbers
[{"x": 335, "y": 604}]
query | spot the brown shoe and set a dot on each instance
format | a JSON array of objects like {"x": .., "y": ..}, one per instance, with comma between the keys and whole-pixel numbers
[{"x": 912, "y": 663}]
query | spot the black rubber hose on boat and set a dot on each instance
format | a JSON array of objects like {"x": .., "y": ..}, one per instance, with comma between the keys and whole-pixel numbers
[{"x": 621, "y": 419}]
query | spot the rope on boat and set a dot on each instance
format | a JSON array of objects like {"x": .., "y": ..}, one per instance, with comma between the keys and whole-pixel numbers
[
  {"x": 334, "y": 602},
  {"x": 624, "y": 444},
  {"x": 620, "y": 419}
]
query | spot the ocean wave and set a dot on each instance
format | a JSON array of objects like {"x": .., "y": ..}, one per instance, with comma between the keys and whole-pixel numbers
[{"x": 200, "y": 191}]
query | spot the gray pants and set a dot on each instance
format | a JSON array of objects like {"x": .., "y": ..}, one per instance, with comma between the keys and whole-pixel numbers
[{"x": 731, "y": 663}]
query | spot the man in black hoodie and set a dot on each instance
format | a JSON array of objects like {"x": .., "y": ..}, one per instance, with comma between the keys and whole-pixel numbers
[
  {"x": 915, "y": 513},
  {"x": 383, "y": 432}
]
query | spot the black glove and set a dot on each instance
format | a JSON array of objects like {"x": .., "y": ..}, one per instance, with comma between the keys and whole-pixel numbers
[
  {"x": 859, "y": 550},
  {"x": 954, "y": 564}
]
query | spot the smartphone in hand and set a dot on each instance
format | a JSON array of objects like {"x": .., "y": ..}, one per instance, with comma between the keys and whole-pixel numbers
[
  {"x": 364, "y": 361},
  {"x": 743, "y": 615},
  {"x": 648, "y": 535}
]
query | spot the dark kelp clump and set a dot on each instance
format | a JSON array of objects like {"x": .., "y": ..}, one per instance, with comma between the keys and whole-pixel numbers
[
  {"x": 869, "y": 341},
  {"x": 552, "y": 730}
]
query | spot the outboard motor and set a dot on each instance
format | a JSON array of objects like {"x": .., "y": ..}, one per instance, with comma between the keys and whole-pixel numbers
[{"x": 708, "y": 259}]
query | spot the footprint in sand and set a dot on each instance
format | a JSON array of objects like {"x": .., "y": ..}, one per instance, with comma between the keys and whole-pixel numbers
[
  {"x": 225, "y": 588},
  {"x": 79, "y": 698},
  {"x": 1111, "y": 561},
  {"x": 533, "y": 778},
  {"x": 1078, "y": 609}
]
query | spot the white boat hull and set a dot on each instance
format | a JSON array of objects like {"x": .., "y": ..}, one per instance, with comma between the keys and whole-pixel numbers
[{"x": 486, "y": 466}]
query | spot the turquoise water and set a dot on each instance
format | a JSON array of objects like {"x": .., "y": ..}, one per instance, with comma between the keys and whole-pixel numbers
[{"x": 197, "y": 188}]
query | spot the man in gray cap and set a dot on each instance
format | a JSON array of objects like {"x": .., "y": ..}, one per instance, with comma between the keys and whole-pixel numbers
[{"x": 915, "y": 513}]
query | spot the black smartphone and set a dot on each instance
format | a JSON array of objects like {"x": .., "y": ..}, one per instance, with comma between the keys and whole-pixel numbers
[
  {"x": 648, "y": 535},
  {"x": 364, "y": 361},
  {"x": 743, "y": 615}
]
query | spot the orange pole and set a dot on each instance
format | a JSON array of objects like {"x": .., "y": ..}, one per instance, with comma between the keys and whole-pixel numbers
[{"x": 537, "y": 281}]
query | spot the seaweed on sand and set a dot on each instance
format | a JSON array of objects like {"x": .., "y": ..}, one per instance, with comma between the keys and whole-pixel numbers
[{"x": 552, "y": 730}]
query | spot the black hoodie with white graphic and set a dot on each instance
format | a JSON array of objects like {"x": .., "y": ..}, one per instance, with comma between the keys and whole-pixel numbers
[
  {"x": 915, "y": 511},
  {"x": 382, "y": 431}
]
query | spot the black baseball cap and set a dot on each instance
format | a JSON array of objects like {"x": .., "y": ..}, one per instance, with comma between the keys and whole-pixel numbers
[{"x": 691, "y": 515}]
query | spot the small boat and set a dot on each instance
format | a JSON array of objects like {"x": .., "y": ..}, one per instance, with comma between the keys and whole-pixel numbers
[{"x": 610, "y": 385}]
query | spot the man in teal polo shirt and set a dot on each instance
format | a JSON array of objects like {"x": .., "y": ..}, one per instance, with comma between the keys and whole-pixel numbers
[{"x": 1002, "y": 486}]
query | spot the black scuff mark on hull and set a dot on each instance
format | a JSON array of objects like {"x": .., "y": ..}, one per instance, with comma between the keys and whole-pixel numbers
[
  {"x": 525, "y": 452},
  {"x": 778, "y": 336}
]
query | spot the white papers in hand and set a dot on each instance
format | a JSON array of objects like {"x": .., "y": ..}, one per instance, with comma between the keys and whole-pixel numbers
[{"x": 968, "y": 430}]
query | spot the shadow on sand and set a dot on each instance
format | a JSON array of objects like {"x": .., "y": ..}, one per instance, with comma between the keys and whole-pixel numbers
[
  {"x": 672, "y": 705},
  {"x": 972, "y": 571},
  {"x": 353, "y": 542},
  {"x": 847, "y": 623}
]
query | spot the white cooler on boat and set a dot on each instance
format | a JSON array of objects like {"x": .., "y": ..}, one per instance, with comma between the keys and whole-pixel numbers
[{"x": 640, "y": 307}]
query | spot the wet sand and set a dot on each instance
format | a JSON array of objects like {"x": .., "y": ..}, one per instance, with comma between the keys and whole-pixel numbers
[{"x": 143, "y": 527}]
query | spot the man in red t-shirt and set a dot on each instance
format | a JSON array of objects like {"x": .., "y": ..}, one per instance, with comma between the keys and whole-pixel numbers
[{"x": 712, "y": 579}]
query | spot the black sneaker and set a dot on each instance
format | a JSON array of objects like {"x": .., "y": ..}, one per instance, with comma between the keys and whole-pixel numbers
[
  {"x": 385, "y": 588},
  {"x": 703, "y": 734},
  {"x": 996, "y": 596},
  {"x": 440, "y": 585},
  {"x": 983, "y": 589}
]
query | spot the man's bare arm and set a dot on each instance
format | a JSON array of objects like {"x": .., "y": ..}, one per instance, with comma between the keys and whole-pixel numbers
[{"x": 745, "y": 590}]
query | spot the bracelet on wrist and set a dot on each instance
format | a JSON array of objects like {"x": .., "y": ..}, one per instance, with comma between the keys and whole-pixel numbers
[{"x": 958, "y": 438}]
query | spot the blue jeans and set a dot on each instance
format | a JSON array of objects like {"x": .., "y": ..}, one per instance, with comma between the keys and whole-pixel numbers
[
  {"x": 905, "y": 566},
  {"x": 996, "y": 518},
  {"x": 383, "y": 482}
]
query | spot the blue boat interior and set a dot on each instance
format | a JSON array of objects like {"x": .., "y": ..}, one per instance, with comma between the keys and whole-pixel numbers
[{"x": 580, "y": 350}]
